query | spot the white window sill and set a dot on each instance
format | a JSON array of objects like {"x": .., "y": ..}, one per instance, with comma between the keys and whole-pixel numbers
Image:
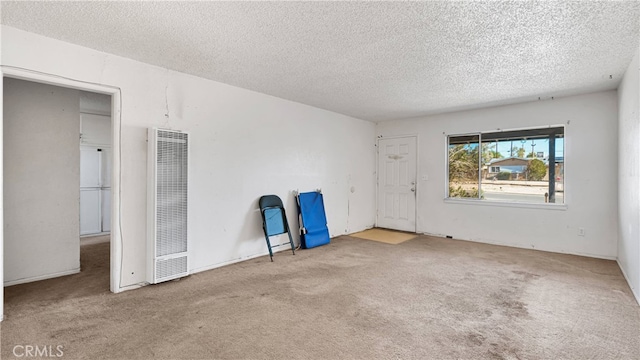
[{"x": 546, "y": 206}]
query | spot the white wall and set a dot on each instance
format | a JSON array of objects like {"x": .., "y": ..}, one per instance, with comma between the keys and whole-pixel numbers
[
  {"x": 243, "y": 145},
  {"x": 590, "y": 177},
  {"x": 95, "y": 119},
  {"x": 93, "y": 103},
  {"x": 41, "y": 184},
  {"x": 629, "y": 175},
  {"x": 95, "y": 129}
]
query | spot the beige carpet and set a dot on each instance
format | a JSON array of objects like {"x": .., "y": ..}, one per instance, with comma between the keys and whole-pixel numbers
[
  {"x": 429, "y": 298},
  {"x": 384, "y": 235}
]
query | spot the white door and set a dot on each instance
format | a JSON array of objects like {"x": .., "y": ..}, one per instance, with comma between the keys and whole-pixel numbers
[{"x": 397, "y": 183}]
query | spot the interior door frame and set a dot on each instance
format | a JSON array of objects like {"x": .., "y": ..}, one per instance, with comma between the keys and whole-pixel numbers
[
  {"x": 116, "y": 126},
  {"x": 382, "y": 137}
]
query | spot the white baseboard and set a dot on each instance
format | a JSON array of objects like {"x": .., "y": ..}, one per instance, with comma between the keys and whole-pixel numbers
[
  {"x": 41, "y": 277},
  {"x": 265, "y": 253},
  {"x": 130, "y": 287},
  {"x": 498, "y": 243},
  {"x": 225, "y": 263},
  {"x": 95, "y": 234},
  {"x": 635, "y": 292},
  {"x": 361, "y": 230}
]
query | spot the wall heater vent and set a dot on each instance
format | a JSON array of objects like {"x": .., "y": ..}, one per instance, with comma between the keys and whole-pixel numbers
[{"x": 167, "y": 196}]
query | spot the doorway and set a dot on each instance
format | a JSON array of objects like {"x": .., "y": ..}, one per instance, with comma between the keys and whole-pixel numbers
[
  {"x": 42, "y": 198},
  {"x": 115, "y": 245},
  {"x": 397, "y": 183}
]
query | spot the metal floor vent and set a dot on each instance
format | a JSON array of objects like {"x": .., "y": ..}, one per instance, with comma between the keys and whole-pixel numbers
[
  {"x": 168, "y": 268},
  {"x": 168, "y": 190}
]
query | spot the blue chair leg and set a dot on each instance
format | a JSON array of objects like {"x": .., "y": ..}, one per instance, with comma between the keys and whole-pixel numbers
[
  {"x": 293, "y": 247},
  {"x": 269, "y": 247}
]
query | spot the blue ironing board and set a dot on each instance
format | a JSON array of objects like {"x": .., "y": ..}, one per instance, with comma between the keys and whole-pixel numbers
[{"x": 313, "y": 221}]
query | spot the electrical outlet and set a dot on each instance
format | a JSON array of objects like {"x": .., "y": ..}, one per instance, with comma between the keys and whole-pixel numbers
[{"x": 580, "y": 231}]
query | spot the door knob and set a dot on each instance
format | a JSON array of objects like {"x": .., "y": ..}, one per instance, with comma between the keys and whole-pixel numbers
[{"x": 413, "y": 189}]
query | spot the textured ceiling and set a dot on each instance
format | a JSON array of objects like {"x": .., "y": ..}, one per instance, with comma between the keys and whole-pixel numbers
[{"x": 371, "y": 60}]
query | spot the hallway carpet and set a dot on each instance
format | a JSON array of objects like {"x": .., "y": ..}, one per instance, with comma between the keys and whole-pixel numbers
[{"x": 426, "y": 298}]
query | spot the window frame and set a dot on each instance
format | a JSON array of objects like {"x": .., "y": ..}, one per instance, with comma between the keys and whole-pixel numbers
[{"x": 500, "y": 134}]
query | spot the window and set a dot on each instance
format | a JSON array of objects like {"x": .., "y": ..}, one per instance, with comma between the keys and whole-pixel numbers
[{"x": 522, "y": 166}]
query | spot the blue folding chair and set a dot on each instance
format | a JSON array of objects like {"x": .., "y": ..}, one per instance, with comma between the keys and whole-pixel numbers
[{"x": 274, "y": 221}]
